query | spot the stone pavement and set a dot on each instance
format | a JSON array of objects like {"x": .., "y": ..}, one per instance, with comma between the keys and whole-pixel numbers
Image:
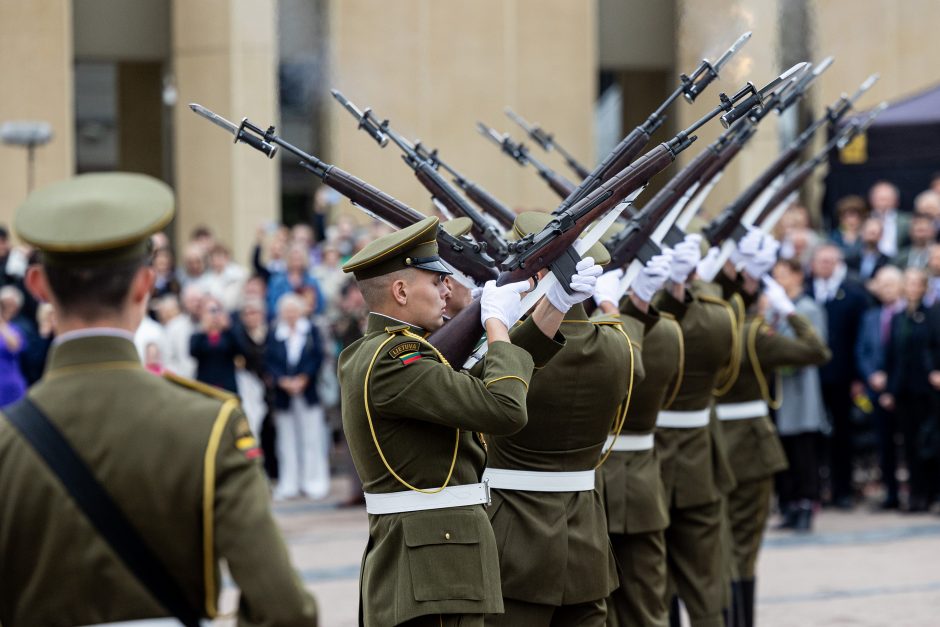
[{"x": 857, "y": 569}]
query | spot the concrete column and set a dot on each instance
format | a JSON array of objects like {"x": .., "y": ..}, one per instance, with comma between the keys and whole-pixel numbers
[
  {"x": 36, "y": 66},
  {"x": 435, "y": 68},
  {"x": 225, "y": 58}
]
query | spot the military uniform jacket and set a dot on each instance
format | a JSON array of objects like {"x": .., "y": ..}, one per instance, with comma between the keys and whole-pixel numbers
[
  {"x": 553, "y": 546},
  {"x": 426, "y": 417},
  {"x": 630, "y": 481},
  {"x": 184, "y": 468},
  {"x": 689, "y": 458},
  {"x": 754, "y": 446}
]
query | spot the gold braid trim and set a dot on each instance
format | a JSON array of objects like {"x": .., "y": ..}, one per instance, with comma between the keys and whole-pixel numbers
[
  {"x": 621, "y": 418},
  {"x": 729, "y": 374},
  {"x": 375, "y": 439},
  {"x": 758, "y": 372},
  {"x": 681, "y": 370},
  {"x": 208, "y": 502}
]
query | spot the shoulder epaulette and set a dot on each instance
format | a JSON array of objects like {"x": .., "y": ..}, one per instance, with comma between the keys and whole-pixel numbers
[
  {"x": 198, "y": 386},
  {"x": 397, "y": 328},
  {"x": 607, "y": 319},
  {"x": 708, "y": 298}
]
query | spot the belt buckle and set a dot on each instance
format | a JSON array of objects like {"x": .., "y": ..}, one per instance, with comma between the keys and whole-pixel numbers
[{"x": 486, "y": 490}]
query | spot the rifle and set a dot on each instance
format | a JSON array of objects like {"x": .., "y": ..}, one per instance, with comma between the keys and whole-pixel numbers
[
  {"x": 726, "y": 224},
  {"x": 466, "y": 256},
  {"x": 428, "y": 176},
  {"x": 521, "y": 155},
  {"x": 547, "y": 142},
  {"x": 551, "y": 247},
  {"x": 777, "y": 202},
  {"x": 754, "y": 110},
  {"x": 631, "y": 145},
  {"x": 505, "y": 216}
]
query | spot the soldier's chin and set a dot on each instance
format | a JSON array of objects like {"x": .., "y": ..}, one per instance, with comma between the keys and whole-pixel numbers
[{"x": 437, "y": 323}]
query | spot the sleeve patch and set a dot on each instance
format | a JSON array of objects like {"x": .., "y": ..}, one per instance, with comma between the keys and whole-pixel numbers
[{"x": 407, "y": 352}]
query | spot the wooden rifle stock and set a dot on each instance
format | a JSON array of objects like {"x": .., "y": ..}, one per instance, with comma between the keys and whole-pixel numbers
[
  {"x": 458, "y": 253},
  {"x": 619, "y": 158},
  {"x": 631, "y": 242},
  {"x": 793, "y": 183},
  {"x": 457, "y": 339}
]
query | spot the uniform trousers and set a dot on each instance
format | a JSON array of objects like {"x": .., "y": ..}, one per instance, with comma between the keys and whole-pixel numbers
[
  {"x": 641, "y": 597},
  {"x": 445, "y": 620},
  {"x": 693, "y": 542},
  {"x": 748, "y": 509},
  {"x": 801, "y": 480},
  {"x": 303, "y": 449},
  {"x": 525, "y": 614}
]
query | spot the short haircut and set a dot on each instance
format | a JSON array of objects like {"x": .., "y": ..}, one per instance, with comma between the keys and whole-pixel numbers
[
  {"x": 375, "y": 290},
  {"x": 854, "y": 204},
  {"x": 791, "y": 264},
  {"x": 13, "y": 292},
  {"x": 91, "y": 292},
  {"x": 288, "y": 299}
]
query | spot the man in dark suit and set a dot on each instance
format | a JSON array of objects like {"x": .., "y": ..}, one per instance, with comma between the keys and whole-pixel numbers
[
  {"x": 844, "y": 301},
  {"x": 870, "y": 348},
  {"x": 869, "y": 259}
]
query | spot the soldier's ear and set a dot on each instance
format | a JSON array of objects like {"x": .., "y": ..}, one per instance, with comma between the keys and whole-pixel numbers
[
  {"x": 399, "y": 290},
  {"x": 142, "y": 284},
  {"x": 37, "y": 283}
]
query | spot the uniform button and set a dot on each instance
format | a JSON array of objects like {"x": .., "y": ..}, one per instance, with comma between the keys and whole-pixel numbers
[{"x": 447, "y": 535}]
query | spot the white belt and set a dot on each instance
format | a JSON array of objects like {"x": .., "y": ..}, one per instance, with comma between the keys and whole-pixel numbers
[
  {"x": 683, "y": 419},
  {"x": 624, "y": 442},
  {"x": 412, "y": 501},
  {"x": 742, "y": 411},
  {"x": 535, "y": 481}
]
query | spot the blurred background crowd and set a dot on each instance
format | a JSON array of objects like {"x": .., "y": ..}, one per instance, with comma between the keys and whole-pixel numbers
[{"x": 864, "y": 428}]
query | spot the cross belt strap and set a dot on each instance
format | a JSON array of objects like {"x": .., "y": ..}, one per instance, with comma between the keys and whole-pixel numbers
[
  {"x": 742, "y": 411},
  {"x": 99, "y": 508},
  {"x": 415, "y": 501},
  {"x": 537, "y": 481}
]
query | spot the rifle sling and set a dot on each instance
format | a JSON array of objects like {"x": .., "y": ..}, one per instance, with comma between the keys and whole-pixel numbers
[{"x": 99, "y": 508}]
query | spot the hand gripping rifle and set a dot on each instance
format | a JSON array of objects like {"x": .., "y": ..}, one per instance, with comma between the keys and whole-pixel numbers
[
  {"x": 553, "y": 246},
  {"x": 426, "y": 173},
  {"x": 630, "y": 146},
  {"x": 505, "y": 216},
  {"x": 749, "y": 204},
  {"x": 547, "y": 142},
  {"x": 519, "y": 152},
  {"x": 467, "y": 257}
]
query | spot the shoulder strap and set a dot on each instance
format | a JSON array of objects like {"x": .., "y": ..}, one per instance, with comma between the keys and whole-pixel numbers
[{"x": 99, "y": 508}]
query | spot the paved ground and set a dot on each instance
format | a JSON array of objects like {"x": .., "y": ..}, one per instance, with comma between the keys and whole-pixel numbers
[{"x": 858, "y": 569}]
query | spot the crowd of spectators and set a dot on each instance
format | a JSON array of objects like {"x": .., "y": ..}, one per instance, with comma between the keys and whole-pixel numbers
[{"x": 864, "y": 426}]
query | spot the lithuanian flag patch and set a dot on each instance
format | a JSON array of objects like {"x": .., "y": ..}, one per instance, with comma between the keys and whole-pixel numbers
[
  {"x": 409, "y": 358},
  {"x": 407, "y": 352}
]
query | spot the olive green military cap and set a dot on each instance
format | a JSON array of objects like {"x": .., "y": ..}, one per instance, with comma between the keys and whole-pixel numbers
[
  {"x": 534, "y": 221},
  {"x": 458, "y": 227},
  {"x": 93, "y": 219},
  {"x": 414, "y": 246}
]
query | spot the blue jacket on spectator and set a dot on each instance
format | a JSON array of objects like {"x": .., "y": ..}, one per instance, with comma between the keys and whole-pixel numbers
[
  {"x": 279, "y": 285},
  {"x": 870, "y": 347},
  {"x": 311, "y": 358}
]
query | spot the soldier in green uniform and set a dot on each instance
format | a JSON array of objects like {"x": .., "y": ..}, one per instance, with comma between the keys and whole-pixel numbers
[
  {"x": 554, "y": 557},
  {"x": 412, "y": 422},
  {"x": 176, "y": 458},
  {"x": 754, "y": 447},
  {"x": 689, "y": 457},
  {"x": 630, "y": 482}
]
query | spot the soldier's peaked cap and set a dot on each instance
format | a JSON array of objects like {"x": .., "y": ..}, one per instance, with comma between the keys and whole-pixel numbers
[
  {"x": 414, "y": 246},
  {"x": 93, "y": 219},
  {"x": 534, "y": 221}
]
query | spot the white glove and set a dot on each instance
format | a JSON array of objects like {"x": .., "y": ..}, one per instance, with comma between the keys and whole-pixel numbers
[
  {"x": 608, "y": 287},
  {"x": 503, "y": 303},
  {"x": 582, "y": 282},
  {"x": 653, "y": 276},
  {"x": 687, "y": 254},
  {"x": 777, "y": 297},
  {"x": 765, "y": 258},
  {"x": 745, "y": 250},
  {"x": 707, "y": 267}
]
